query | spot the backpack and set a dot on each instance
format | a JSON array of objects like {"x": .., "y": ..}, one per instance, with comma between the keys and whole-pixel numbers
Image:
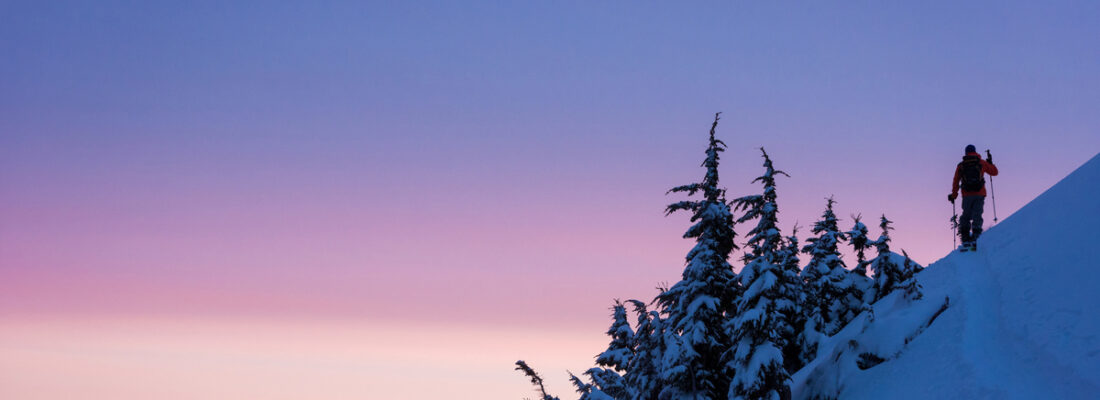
[{"x": 970, "y": 174}]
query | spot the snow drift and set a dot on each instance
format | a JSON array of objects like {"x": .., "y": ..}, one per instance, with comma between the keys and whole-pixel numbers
[{"x": 1015, "y": 320}]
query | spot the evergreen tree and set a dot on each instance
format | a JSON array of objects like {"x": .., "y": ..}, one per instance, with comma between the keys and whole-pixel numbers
[
  {"x": 885, "y": 269},
  {"x": 888, "y": 275},
  {"x": 794, "y": 354},
  {"x": 642, "y": 374},
  {"x": 585, "y": 389},
  {"x": 589, "y": 391},
  {"x": 607, "y": 382},
  {"x": 857, "y": 237},
  {"x": 907, "y": 278},
  {"x": 761, "y": 328},
  {"x": 696, "y": 307},
  {"x": 764, "y": 239},
  {"x": 828, "y": 281},
  {"x": 535, "y": 380},
  {"x": 621, "y": 349}
]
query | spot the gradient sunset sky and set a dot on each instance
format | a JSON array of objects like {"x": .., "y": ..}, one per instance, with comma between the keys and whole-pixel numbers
[{"x": 368, "y": 200}]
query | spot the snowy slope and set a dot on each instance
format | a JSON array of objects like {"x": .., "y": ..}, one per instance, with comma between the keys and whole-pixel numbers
[{"x": 1023, "y": 320}]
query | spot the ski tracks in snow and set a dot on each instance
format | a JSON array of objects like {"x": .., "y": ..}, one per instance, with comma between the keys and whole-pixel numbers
[
  {"x": 1004, "y": 367},
  {"x": 982, "y": 343}
]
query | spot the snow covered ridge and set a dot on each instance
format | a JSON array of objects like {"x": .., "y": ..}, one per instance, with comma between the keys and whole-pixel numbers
[
  {"x": 878, "y": 335},
  {"x": 1022, "y": 324},
  {"x": 778, "y": 329}
]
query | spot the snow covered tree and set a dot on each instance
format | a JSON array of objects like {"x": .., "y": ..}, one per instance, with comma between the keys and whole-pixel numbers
[
  {"x": 697, "y": 306},
  {"x": 885, "y": 269},
  {"x": 828, "y": 281},
  {"x": 764, "y": 239},
  {"x": 857, "y": 237},
  {"x": 642, "y": 373},
  {"x": 621, "y": 349},
  {"x": 794, "y": 353},
  {"x": 584, "y": 388},
  {"x": 588, "y": 391},
  {"x": 761, "y": 328},
  {"x": 907, "y": 278},
  {"x": 606, "y": 382}
]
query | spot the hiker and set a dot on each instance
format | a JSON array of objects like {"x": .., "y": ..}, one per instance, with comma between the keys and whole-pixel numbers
[{"x": 969, "y": 176}]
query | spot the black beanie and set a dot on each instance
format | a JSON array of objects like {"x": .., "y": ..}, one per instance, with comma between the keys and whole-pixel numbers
[{"x": 971, "y": 149}]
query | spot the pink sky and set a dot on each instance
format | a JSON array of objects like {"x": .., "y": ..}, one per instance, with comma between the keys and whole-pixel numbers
[
  {"x": 249, "y": 358},
  {"x": 197, "y": 201}
]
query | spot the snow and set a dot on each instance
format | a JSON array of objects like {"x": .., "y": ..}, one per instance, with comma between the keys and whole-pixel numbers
[
  {"x": 1013, "y": 320},
  {"x": 758, "y": 285},
  {"x": 884, "y": 333},
  {"x": 702, "y": 301},
  {"x": 1020, "y": 321},
  {"x": 762, "y": 356}
]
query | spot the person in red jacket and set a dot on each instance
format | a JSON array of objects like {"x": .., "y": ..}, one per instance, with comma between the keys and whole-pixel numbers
[{"x": 970, "y": 177}]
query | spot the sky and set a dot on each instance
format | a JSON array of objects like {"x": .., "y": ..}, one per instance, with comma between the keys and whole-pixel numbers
[{"x": 397, "y": 201}]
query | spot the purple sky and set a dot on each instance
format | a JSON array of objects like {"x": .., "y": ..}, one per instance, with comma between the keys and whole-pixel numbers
[{"x": 491, "y": 164}]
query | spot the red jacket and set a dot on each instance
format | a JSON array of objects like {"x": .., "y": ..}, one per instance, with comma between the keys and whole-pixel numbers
[{"x": 987, "y": 167}]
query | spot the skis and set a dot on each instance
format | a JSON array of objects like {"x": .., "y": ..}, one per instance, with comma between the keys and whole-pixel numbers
[{"x": 968, "y": 246}]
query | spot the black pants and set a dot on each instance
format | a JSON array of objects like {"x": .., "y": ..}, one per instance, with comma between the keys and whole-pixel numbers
[{"x": 970, "y": 225}]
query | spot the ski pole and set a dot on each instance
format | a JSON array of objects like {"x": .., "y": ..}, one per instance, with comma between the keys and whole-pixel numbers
[
  {"x": 954, "y": 225},
  {"x": 993, "y": 196},
  {"x": 992, "y": 193}
]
